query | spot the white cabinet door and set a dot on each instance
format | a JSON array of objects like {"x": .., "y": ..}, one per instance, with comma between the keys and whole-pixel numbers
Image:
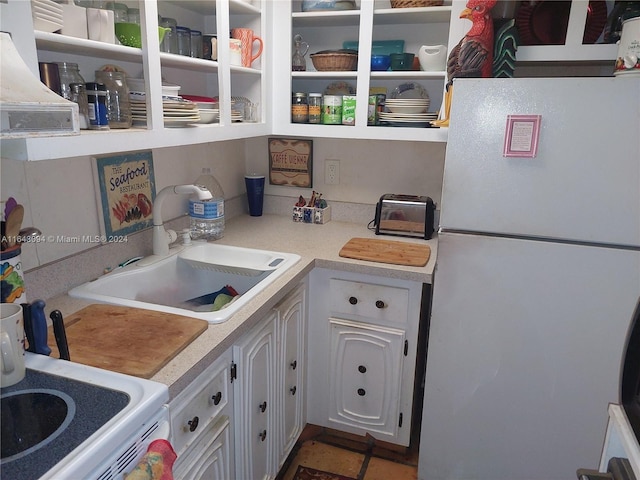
[
  {"x": 209, "y": 457},
  {"x": 363, "y": 321},
  {"x": 364, "y": 380},
  {"x": 291, "y": 367},
  {"x": 255, "y": 401}
]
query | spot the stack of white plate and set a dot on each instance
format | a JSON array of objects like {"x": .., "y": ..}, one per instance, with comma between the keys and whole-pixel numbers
[
  {"x": 407, "y": 106},
  {"x": 407, "y": 119},
  {"x": 208, "y": 107},
  {"x": 407, "y": 113},
  {"x": 47, "y": 15},
  {"x": 176, "y": 111}
]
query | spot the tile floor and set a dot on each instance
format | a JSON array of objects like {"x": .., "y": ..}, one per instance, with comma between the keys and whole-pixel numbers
[{"x": 352, "y": 456}]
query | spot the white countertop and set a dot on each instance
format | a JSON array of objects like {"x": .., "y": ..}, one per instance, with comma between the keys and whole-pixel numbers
[{"x": 318, "y": 246}]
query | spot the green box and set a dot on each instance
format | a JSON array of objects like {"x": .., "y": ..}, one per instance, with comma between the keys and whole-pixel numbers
[{"x": 349, "y": 110}]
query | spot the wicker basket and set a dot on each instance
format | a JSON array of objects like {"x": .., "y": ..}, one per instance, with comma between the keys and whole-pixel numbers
[
  {"x": 334, "y": 62},
  {"x": 415, "y": 3}
]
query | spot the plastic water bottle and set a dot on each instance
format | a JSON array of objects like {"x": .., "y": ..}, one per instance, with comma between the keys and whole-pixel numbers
[{"x": 207, "y": 216}]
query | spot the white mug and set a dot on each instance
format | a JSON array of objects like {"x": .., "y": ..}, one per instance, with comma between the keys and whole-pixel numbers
[
  {"x": 11, "y": 344},
  {"x": 235, "y": 52},
  {"x": 100, "y": 26}
]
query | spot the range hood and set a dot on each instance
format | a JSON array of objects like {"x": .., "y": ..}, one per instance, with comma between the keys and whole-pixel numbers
[{"x": 28, "y": 108}]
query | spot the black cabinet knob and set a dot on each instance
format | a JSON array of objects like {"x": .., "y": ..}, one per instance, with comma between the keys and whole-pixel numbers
[
  {"x": 216, "y": 398},
  {"x": 353, "y": 300},
  {"x": 361, "y": 392},
  {"x": 193, "y": 424},
  {"x": 362, "y": 369},
  {"x": 263, "y": 435},
  {"x": 294, "y": 365},
  {"x": 293, "y": 390},
  {"x": 380, "y": 304},
  {"x": 263, "y": 406}
]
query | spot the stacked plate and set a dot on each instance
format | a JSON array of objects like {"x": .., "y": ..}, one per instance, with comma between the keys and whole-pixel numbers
[
  {"x": 176, "y": 111},
  {"x": 47, "y": 15},
  {"x": 407, "y": 119},
  {"x": 208, "y": 107},
  {"x": 407, "y": 107}
]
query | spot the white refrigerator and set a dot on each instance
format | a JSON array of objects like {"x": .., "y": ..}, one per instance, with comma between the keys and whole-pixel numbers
[{"x": 537, "y": 275}]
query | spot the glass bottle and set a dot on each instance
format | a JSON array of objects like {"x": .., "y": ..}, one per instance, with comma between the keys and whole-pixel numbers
[
  {"x": 69, "y": 73},
  {"x": 118, "y": 103},
  {"x": 97, "y": 100},
  {"x": 79, "y": 96},
  {"x": 300, "y": 48}
]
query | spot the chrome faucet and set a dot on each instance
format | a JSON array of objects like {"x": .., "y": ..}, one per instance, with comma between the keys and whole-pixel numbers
[{"x": 163, "y": 238}]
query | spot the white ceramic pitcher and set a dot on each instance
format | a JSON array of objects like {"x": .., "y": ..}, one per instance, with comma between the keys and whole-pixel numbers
[{"x": 433, "y": 58}]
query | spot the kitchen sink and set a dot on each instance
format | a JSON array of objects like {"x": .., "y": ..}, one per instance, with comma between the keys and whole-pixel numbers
[{"x": 187, "y": 283}]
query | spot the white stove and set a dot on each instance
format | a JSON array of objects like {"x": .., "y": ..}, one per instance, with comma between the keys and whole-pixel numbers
[{"x": 102, "y": 427}]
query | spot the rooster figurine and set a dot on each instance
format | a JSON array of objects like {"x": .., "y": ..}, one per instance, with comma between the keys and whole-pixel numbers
[{"x": 473, "y": 56}]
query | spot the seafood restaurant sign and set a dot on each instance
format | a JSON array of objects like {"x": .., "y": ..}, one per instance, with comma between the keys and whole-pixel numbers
[
  {"x": 290, "y": 162},
  {"x": 126, "y": 190}
]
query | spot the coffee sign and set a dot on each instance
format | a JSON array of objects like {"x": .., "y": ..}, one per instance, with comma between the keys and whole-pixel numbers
[{"x": 290, "y": 162}]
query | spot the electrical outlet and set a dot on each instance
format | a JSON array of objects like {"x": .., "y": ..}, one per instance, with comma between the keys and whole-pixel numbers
[{"x": 331, "y": 172}]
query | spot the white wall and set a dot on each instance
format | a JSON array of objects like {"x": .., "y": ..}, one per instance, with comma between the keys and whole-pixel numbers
[
  {"x": 368, "y": 169},
  {"x": 60, "y": 198}
]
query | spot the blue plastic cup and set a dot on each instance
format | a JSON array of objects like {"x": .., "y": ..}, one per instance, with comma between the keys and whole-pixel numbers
[{"x": 255, "y": 193}]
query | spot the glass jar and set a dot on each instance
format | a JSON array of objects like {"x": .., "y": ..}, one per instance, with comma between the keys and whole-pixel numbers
[
  {"x": 79, "y": 96},
  {"x": 97, "y": 100},
  {"x": 120, "y": 13},
  {"x": 69, "y": 73},
  {"x": 134, "y": 15},
  {"x": 118, "y": 103},
  {"x": 184, "y": 40},
  {"x": 196, "y": 44},
  {"x": 315, "y": 107},
  {"x": 299, "y": 108},
  {"x": 170, "y": 41}
]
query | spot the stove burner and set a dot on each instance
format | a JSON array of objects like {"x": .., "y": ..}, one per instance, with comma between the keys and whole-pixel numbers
[{"x": 31, "y": 419}]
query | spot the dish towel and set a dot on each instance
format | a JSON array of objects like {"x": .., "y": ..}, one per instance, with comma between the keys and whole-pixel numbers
[{"x": 157, "y": 463}]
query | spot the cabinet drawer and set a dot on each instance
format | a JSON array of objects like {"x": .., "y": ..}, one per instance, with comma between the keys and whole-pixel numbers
[
  {"x": 192, "y": 416},
  {"x": 376, "y": 302}
]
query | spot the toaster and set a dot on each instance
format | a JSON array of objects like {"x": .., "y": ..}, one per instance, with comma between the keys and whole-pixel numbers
[{"x": 405, "y": 215}]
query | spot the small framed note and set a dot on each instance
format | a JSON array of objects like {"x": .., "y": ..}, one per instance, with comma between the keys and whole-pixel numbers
[{"x": 521, "y": 136}]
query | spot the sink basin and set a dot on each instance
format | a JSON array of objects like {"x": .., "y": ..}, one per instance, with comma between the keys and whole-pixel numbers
[{"x": 186, "y": 283}]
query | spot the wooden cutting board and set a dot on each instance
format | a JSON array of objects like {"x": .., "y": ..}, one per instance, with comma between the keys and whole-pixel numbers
[
  {"x": 387, "y": 251},
  {"x": 126, "y": 340}
]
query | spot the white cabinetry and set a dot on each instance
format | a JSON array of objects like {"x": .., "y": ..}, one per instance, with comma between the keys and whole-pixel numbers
[
  {"x": 255, "y": 408},
  {"x": 374, "y": 21},
  {"x": 291, "y": 366},
  {"x": 196, "y": 76},
  {"x": 201, "y": 425},
  {"x": 269, "y": 388},
  {"x": 363, "y": 342}
]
